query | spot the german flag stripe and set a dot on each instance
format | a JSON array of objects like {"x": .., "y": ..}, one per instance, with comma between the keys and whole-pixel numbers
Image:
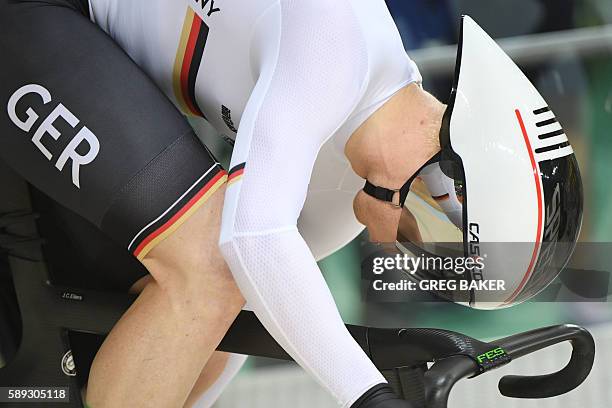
[
  {"x": 235, "y": 173},
  {"x": 178, "y": 61},
  {"x": 196, "y": 61},
  {"x": 188, "y": 60},
  {"x": 182, "y": 210}
]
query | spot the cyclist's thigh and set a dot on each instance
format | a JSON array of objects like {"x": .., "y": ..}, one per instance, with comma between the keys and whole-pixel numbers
[{"x": 83, "y": 123}]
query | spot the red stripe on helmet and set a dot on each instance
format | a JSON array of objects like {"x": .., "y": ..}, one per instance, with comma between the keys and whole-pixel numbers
[{"x": 538, "y": 183}]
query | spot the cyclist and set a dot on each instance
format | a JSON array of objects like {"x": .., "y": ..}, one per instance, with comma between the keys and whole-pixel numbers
[
  {"x": 85, "y": 123},
  {"x": 298, "y": 84}
]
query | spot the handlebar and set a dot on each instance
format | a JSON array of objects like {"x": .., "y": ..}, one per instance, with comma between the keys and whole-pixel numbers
[
  {"x": 403, "y": 356},
  {"x": 549, "y": 385},
  {"x": 445, "y": 373}
]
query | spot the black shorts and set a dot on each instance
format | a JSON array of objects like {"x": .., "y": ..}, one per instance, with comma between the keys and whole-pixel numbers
[{"x": 81, "y": 122}]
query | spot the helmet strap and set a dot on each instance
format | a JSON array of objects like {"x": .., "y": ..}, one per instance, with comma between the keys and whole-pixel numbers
[{"x": 389, "y": 195}]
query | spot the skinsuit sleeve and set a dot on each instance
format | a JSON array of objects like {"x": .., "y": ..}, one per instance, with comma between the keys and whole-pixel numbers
[{"x": 311, "y": 77}]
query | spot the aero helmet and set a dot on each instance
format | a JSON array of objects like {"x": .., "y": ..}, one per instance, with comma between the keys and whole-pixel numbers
[{"x": 505, "y": 188}]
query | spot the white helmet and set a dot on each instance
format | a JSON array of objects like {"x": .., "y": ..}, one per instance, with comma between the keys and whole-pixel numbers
[{"x": 505, "y": 189}]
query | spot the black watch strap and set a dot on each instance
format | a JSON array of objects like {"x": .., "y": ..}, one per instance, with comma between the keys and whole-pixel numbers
[
  {"x": 388, "y": 195},
  {"x": 381, "y": 193}
]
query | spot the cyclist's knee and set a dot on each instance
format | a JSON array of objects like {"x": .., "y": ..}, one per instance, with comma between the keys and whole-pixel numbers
[{"x": 189, "y": 263}]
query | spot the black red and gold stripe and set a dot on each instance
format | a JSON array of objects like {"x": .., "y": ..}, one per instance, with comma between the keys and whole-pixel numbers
[
  {"x": 235, "y": 174},
  {"x": 188, "y": 60},
  {"x": 178, "y": 213}
]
